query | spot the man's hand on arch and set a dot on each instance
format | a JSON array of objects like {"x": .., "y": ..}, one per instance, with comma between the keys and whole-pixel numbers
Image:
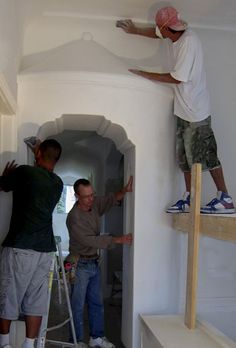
[
  {"x": 125, "y": 239},
  {"x": 129, "y": 186},
  {"x": 10, "y": 167}
]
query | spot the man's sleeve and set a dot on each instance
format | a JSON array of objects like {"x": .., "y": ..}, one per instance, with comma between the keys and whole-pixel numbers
[
  {"x": 105, "y": 203},
  {"x": 81, "y": 234},
  {"x": 184, "y": 62}
]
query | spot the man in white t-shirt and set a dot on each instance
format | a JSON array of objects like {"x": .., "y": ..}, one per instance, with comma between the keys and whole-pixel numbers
[{"x": 195, "y": 141}]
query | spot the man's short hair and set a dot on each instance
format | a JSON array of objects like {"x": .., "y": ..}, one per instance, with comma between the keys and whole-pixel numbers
[
  {"x": 83, "y": 182},
  {"x": 50, "y": 150}
]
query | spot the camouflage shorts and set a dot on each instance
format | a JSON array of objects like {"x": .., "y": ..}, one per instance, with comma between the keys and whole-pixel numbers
[{"x": 195, "y": 143}]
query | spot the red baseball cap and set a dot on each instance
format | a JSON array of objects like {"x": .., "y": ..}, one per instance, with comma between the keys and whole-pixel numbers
[{"x": 169, "y": 16}]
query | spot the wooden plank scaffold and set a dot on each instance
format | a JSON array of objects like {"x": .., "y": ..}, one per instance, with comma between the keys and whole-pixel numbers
[
  {"x": 222, "y": 227},
  {"x": 169, "y": 330}
]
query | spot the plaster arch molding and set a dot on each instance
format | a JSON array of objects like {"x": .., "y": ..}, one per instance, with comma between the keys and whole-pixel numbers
[
  {"x": 99, "y": 124},
  {"x": 85, "y": 82},
  {"x": 92, "y": 80}
]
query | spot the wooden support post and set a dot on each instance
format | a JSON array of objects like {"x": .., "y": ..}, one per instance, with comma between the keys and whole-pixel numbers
[{"x": 193, "y": 246}]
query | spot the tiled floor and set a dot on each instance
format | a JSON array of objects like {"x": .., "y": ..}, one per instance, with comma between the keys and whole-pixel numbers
[{"x": 58, "y": 313}]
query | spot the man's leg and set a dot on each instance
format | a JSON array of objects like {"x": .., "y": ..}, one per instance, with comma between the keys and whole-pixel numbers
[
  {"x": 95, "y": 304},
  {"x": 204, "y": 150},
  {"x": 78, "y": 298},
  {"x": 218, "y": 178},
  {"x": 34, "y": 303},
  {"x": 4, "y": 332},
  {"x": 96, "y": 311},
  {"x": 4, "y": 326},
  {"x": 182, "y": 135},
  {"x": 32, "y": 325},
  {"x": 187, "y": 179}
]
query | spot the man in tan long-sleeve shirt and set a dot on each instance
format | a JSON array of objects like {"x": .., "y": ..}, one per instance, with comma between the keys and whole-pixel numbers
[{"x": 83, "y": 223}]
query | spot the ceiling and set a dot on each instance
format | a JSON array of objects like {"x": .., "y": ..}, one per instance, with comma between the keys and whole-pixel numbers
[{"x": 207, "y": 13}]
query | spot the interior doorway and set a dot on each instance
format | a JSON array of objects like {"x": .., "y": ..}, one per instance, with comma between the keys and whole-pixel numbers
[{"x": 97, "y": 157}]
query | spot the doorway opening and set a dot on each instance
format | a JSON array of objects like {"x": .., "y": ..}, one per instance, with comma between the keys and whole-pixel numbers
[{"x": 98, "y": 157}]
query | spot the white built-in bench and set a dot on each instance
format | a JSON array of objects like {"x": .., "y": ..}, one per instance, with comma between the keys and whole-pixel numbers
[{"x": 170, "y": 332}]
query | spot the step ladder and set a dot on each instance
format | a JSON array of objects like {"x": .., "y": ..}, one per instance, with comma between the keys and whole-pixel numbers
[{"x": 57, "y": 262}]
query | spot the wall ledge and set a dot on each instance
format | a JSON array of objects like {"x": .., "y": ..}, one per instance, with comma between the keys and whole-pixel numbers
[{"x": 128, "y": 81}]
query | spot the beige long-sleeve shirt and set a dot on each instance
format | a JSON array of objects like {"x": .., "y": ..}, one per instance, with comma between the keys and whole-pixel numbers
[{"x": 84, "y": 227}]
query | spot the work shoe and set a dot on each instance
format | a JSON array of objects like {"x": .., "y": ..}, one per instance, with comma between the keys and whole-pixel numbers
[
  {"x": 222, "y": 204},
  {"x": 181, "y": 206},
  {"x": 100, "y": 342}
]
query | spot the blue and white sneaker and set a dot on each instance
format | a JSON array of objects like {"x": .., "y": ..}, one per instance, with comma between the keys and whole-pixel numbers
[
  {"x": 222, "y": 204},
  {"x": 181, "y": 206}
]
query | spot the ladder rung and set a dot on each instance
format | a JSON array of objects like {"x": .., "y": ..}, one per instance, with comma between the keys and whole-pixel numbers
[
  {"x": 63, "y": 344},
  {"x": 58, "y": 325}
]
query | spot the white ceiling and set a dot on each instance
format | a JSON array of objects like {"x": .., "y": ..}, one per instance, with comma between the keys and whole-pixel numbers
[{"x": 207, "y": 13}]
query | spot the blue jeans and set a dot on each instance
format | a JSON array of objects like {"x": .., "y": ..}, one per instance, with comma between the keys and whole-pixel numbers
[{"x": 87, "y": 288}]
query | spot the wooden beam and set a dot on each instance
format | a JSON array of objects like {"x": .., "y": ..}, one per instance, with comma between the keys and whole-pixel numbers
[
  {"x": 221, "y": 227},
  {"x": 193, "y": 247}
]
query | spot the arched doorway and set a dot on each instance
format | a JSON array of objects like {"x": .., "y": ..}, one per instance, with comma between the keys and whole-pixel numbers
[{"x": 97, "y": 149}]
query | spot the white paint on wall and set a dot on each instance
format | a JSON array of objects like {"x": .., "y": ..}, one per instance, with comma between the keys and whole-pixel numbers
[
  {"x": 11, "y": 35},
  {"x": 143, "y": 109}
]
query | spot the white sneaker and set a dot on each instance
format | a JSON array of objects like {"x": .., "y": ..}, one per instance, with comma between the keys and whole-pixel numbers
[
  {"x": 100, "y": 342},
  {"x": 7, "y": 346},
  {"x": 82, "y": 345}
]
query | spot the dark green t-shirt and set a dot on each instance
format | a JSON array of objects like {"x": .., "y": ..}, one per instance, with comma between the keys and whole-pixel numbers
[{"x": 36, "y": 192}]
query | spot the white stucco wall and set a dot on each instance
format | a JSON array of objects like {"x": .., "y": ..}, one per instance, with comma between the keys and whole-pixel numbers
[
  {"x": 220, "y": 53},
  {"x": 144, "y": 111},
  {"x": 10, "y": 42}
]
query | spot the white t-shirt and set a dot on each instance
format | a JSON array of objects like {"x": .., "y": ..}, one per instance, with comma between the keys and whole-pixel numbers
[{"x": 191, "y": 101}]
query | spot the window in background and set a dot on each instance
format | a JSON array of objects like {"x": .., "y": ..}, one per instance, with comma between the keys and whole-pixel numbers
[{"x": 67, "y": 200}]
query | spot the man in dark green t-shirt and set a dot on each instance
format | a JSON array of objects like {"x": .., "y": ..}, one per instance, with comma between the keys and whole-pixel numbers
[{"x": 25, "y": 258}]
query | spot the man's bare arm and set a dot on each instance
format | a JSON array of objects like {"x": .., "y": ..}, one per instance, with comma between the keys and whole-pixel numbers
[
  {"x": 9, "y": 168},
  {"x": 127, "y": 188},
  {"x": 161, "y": 77},
  {"x": 129, "y": 27},
  {"x": 124, "y": 239}
]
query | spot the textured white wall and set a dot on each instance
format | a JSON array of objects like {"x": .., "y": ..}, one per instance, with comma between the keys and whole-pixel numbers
[
  {"x": 10, "y": 42},
  {"x": 144, "y": 111}
]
